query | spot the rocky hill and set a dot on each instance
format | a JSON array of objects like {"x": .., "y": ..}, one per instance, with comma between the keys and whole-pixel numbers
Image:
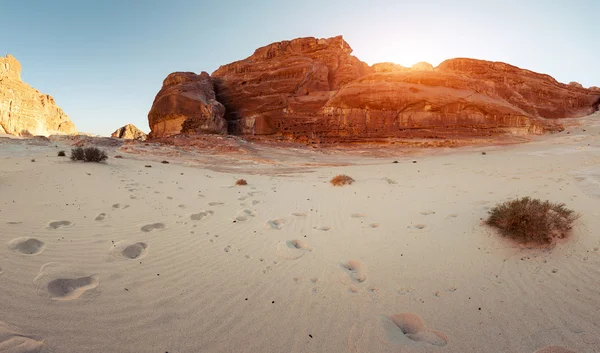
[
  {"x": 129, "y": 132},
  {"x": 314, "y": 90},
  {"x": 24, "y": 111}
]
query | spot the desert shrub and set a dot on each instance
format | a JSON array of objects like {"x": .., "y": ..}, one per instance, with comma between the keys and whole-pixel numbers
[
  {"x": 528, "y": 220},
  {"x": 61, "y": 153},
  {"x": 88, "y": 154},
  {"x": 341, "y": 180},
  {"x": 165, "y": 162},
  {"x": 118, "y": 156},
  {"x": 241, "y": 182},
  {"x": 77, "y": 154}
]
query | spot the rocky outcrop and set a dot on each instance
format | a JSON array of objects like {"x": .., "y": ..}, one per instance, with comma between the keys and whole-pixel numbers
[
  {"x": 289, "y": 77},
  {"x": 129, "y": 132},
  {"x": 314, "y": 90},
  {"x": 24, "y": 111},
  {"x": 186, "y": 104}
]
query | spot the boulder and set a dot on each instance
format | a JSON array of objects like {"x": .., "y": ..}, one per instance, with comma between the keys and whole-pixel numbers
[
  {"x": 129, "y": 132},
  {"x": 186, "y": 104},
  {"x": 24, "y": 111}
]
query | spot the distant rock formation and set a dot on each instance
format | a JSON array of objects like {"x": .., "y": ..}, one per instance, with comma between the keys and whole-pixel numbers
[
  {"x": 129, "y": 132},
  {"x": 187, "y": 104},
  {"x": 24, "y": 111},
  {"x": 314, "y": 90}
]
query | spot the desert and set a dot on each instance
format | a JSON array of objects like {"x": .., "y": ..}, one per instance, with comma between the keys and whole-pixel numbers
[{"x": 211, "y": 192}]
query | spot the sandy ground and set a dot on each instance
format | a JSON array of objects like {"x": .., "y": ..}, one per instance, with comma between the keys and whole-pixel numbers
[{"x": 118, "y": 257}]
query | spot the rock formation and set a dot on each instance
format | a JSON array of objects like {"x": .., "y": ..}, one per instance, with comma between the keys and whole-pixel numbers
[
  {"x": 129, "y": 132},
  {"x": 24, "y": 111},
  {"x": 314, "y": 90},
  {"x": 186, "y": 104}
]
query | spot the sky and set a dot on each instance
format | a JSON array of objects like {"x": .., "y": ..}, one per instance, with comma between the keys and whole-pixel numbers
[{"x": 104, "y": 61}]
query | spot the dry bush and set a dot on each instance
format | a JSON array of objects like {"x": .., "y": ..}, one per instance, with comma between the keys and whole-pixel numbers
[
  {"x": 165, "y": 162},
  {"x": 118, "y": 156},
  {"x": 61, "y": 153},
  {"x": 241, "y": 182},
  {"x": 528, "y": 220},
  {"x": 88, "y": 154},
  {"x": 341, "y": 180}
]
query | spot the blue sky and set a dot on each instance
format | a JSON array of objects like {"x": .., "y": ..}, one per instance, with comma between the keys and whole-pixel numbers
[{"x": 104, "y": 61}]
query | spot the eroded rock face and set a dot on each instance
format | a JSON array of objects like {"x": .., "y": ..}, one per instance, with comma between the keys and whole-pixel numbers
[
  {"x": 186, "y": 104},
  {"x": 24, "y": 111},
  {"x": 129, "y": 132},
  {"x": 284, "y": 79},
  {"x": 314, "y": 90}
]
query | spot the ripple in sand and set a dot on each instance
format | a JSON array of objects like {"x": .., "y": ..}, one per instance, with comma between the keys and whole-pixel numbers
[
  {"x": 13, "y": 341},
  {"x": 58, "y": 224},
  {"x": 27, "y": 246},
  {"x": 409, "y": 329},
  {"x": 554, "y": 349},
  {"x": 154, "y": 226}
]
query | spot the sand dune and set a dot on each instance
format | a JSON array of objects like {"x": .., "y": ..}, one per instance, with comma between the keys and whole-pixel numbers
[{"x": 117, "y": 257}]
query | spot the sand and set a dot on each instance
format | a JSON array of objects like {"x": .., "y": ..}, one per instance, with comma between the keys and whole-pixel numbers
[{"x": 118, "y": 257}]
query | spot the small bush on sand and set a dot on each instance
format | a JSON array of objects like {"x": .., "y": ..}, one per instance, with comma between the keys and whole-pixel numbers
[
  {"x": 61, "y": 153},
  {"x": 118, "y": 156},
  {"x": 88, "y": 154},
  {"x": 165, "y": 162},
  {"x": 341, "y": 180},
  {"x": 241, "y": 182},
  {"x": 528, "y": 220}
]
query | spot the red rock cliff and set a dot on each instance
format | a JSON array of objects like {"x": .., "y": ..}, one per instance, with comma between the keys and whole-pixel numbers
[{"x": 314, "y": 90}]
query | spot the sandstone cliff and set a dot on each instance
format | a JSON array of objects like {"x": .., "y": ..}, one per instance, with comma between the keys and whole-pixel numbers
[
  {"x": 24, "y": 111},
  {"x": 314, "y": 90},
  {"x": 186, "y": 104},
  {"x": 129, "y": 132}
]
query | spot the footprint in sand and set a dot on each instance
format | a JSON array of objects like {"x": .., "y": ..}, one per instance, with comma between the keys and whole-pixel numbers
[
  {"x": 100, "y": 217},
  {"x": 243, "y": 215},
  {"x": 71, "y": 288},
  {"x": 275, "y": 223},
  {"x": 59, "y": 224},
  {"x": 374, "y": 225},
  {"x": 27, "y": 246},
  {"x": 355, "y": 271},
  {"x": 61, "y": 283},
  {"x": 154, "y": 226},
  {"x": 216, "y": 203},
  {"x": 200, "y": 215},
  {"x": 131, "y": 251},
  {"x": 255, "y": 202},
  {"x": 11, "y": 340},
  {"x": 409, "y": 329},
  {"x": 293, "y": 249},
  {"x": 418, "y": 228},
  {"x": 323, "y": 228},
  {"x": 358, "y": 215},
  {"x": 299, "y": 214},
  {"x": 427, "y": 212},
  {"x": 118, "y": 205}
]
